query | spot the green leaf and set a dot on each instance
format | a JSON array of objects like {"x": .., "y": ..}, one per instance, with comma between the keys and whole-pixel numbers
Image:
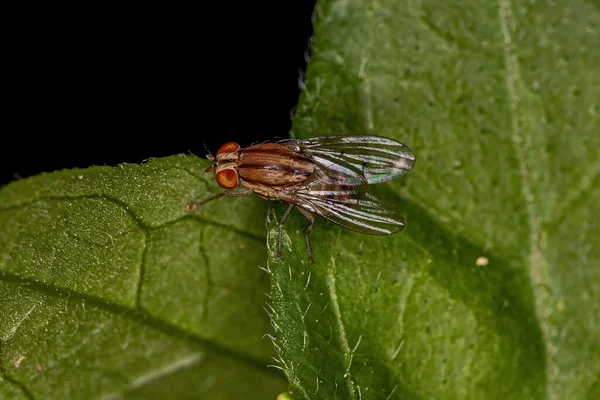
[
  {"x": 493, "y": 288},
  {"x": 110, "y": 288}
]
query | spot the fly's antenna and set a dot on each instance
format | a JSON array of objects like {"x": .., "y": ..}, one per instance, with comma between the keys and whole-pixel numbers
[
  {"x": 206, "y": 148},
  {"x": 210, "y": 157}
]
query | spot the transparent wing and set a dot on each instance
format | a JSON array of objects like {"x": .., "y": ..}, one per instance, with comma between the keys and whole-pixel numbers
[
  {"x": 358, "y": 211},
  {"x": 355, "y": 159}
]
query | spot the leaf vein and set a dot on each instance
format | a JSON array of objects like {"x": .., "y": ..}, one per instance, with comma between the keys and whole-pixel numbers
[
  {"x": 13, "y": 330},
  {"x": 134, "y": 315},
  {"x": 142, "y": 273},
  {"x": 341, "y": 329},
  {"x": 170, "y": 369},
  {"x": 208, "y": 275},
  {"x": 538, "y": 268},
  {"x": 142, "y": 225}
]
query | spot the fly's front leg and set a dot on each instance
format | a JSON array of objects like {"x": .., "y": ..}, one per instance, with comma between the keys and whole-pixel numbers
[
  {"x": 238, "y": 191},
  {"x": 311, "y": 218},
  {"x": 281, "y": 222}
]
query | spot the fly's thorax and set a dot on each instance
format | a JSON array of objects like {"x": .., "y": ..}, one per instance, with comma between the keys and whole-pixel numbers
[
  {"x": 269, "y": 192},
  {"x": 273, "y": 164}
]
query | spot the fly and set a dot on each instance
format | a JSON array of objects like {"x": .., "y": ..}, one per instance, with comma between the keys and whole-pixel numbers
[{"x": 320, "y": 175}]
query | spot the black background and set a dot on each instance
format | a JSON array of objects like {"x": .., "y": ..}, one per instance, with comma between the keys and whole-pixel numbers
[{"x": 101, "y": 86}]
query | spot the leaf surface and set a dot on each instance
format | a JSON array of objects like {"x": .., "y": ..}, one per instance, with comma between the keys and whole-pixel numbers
[{"x": 110, "y": 288}]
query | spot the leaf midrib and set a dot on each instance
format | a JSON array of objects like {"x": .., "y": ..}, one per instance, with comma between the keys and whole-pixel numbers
[{"x": 538, "y": 267}]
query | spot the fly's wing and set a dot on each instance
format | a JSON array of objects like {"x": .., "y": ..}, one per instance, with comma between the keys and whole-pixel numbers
[
  {"x": 355, "y": 159},
  {"x": 344, "y": 205}
]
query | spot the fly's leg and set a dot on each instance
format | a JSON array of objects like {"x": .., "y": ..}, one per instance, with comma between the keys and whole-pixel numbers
[
  {"x": 311, "y": 218},
  {"x": 238, "y": 191},
  {"x": 193, "y": 206},
  {"x": 281, "y": 222}
]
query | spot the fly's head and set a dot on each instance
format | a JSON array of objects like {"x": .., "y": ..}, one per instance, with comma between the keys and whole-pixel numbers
[{"x": 225, "y": 165}]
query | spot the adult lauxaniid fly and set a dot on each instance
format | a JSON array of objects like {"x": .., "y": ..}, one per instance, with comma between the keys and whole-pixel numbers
[{"x": 320, "y": 175}]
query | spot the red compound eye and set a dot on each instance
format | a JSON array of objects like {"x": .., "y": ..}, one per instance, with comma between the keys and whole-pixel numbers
[
  {"x": 230, "y": 147},
  {"x": 227, "y": 178}
]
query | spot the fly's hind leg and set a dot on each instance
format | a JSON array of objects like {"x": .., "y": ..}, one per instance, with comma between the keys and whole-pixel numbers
[
  {"x": 281, "y": 222},
  {"x": 311, "y": 218}
]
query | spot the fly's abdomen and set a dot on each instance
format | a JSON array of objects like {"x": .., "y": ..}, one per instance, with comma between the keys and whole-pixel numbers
[{"x": 272, "y": 164}]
